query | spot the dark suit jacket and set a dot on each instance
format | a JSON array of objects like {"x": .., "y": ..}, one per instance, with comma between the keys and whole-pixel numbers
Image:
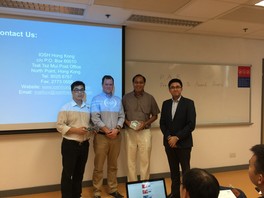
[{"x": 183, "y": 123}]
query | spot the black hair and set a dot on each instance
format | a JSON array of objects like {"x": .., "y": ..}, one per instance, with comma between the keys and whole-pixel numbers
[
  {"x": 200, "y": 184},
  {"x": 139, "y": 75},
  {"x": 175, "y": 80},
  {"x": 258, "y": 151},
  {"x": 77, "y": 83},
  {"x": 107, "y": 77}
]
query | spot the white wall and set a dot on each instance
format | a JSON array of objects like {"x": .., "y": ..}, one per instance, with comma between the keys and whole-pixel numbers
[
  {"x": 212, "y": 145},
  {"x": 34, "y": 159}
]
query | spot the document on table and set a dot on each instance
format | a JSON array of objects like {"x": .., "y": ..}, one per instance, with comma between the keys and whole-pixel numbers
[{"x": 226, "y": 194}]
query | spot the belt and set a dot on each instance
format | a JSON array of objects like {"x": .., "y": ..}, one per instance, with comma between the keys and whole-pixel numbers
[
  {"x": 80, "y": 143},
  {"x": 103, "y": 133}
]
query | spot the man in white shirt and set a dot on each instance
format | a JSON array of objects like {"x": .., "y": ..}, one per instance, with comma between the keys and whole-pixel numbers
[{"x": 73, "y": 123}]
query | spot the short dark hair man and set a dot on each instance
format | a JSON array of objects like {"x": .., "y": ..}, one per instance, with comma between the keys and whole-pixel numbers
[
  {"x": 198, "y": 183},
  {"x": 256, "y": 167},
  {"x": 177, "y": 122},
  {"x": 141, "y": 111},
  {"x": 108, "y": 115},
  {"x": 73, "y": 123}
]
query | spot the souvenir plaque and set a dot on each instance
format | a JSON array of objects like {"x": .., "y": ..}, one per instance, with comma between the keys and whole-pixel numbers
[{"x": 134, "y": 124}]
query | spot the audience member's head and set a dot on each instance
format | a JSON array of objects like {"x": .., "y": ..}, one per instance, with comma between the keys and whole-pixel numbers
[
  {"x": 198, "y": 183},
  {"x": 256, "y": 166}
]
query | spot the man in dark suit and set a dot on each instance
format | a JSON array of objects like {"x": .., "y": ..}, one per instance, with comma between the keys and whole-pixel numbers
[{"x": 178, "y": 119}]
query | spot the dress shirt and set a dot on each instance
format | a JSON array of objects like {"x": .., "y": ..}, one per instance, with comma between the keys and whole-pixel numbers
[
  {"x": 107, "y": 110},
  {"x": 73, "y": 115},
  {"x": 174, "y": 106}
]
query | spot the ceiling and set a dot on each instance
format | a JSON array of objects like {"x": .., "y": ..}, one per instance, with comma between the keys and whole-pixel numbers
[{"x": 232, "y": 18}]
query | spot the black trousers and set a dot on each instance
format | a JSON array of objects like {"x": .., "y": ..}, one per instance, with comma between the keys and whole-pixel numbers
[
  {"x": 177, "y": 157},
  {"x": 74, "y": 158}
]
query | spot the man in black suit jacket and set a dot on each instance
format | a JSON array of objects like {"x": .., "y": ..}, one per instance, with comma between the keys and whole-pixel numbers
[{"x": 178, "y": 119}]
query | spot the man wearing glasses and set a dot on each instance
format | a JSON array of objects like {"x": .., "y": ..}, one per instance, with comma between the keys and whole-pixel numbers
[
  {"x": 73, "y": 123},
  {"x": 177, "y": 121}
]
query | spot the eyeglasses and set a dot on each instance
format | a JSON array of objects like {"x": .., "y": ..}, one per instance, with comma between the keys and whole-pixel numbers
[
  {"x": 79, "y": 90},
  {"x": 177, "y": 87}
]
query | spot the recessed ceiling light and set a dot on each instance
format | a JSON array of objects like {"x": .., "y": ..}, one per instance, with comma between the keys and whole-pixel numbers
[
  {"x": 261, "y": 3},
  {"x": 164, "y": 21}
]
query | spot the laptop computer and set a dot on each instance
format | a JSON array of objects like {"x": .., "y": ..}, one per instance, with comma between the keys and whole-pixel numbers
[{"x": 153, "y": 188}]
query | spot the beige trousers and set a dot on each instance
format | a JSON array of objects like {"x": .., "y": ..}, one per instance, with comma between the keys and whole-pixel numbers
[
  {"x": 105, "y": 148},
  {"x": 138, "y": 143}
]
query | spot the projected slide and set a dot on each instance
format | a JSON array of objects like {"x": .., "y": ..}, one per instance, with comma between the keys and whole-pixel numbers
[{"x": 40, "y": 60}]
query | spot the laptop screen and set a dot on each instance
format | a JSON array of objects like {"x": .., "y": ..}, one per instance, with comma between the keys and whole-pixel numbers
[{"x": 154, "y": 188}]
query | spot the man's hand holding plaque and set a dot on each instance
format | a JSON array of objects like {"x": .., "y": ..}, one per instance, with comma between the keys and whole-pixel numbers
[{"x": 135, "y": 125}]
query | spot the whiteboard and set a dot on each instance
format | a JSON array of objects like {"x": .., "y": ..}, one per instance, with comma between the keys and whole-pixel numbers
[{"x": 213, "y": 88}]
